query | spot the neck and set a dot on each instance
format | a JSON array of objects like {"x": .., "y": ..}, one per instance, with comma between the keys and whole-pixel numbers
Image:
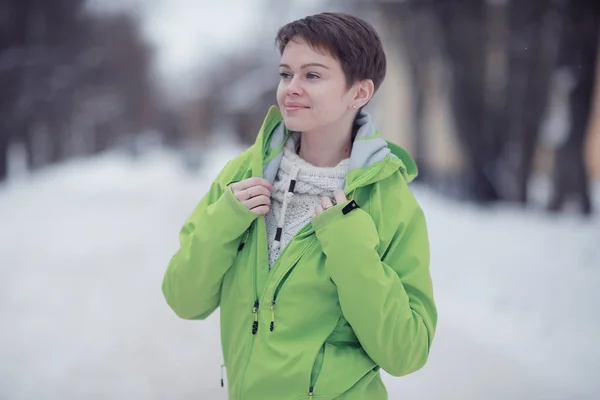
[{"x": 326, "y": 147}]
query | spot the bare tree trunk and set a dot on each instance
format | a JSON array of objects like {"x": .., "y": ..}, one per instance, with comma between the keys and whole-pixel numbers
[
  {"x": 531, "y": 57},
  {"x": 3, "y": 154},
  {"x": 464, "y": 38},
  {"x": 27, "y": 137},
  {"x": 579, "y": 55},
  {"x": 54, "y": 127},
  {"x": 415, "y": 21}
]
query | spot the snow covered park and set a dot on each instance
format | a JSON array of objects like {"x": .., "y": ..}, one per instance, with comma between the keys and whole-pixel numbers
[{"x": 84, "y": 245}]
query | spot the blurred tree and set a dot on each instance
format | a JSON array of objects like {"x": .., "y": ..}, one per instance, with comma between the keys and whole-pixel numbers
[
  {"x": 463, "y": 25},
  {"x": 62, "y": 70},
  {"x": 47, "y": 77},
  {"x": 8, "y": 40},
  {"x": 578, "y": 56},
  {"x": 119, "y": 99},
  {"x": 501, "y": 56},
  {"x": 533, "y": 29},
  {"x": 242, "y": 89},
  {"x": 412, "y": 23},
  {"x": 36, "y": 59}
]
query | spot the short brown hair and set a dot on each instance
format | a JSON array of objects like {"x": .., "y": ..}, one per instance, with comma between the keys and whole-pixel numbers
[{"x": 349, "y": 39}]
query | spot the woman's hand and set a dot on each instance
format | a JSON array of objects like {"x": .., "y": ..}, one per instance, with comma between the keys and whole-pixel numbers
[
  {"x": 326, "y": 203},
  {"x": 254, "y": 194}
]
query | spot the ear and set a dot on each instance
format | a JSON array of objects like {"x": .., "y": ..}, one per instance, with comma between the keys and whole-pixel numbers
[{"x": 364, "y": 91}]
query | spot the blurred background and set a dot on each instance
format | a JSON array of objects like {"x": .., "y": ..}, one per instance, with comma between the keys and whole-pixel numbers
[{"x": 115, "y": 116}]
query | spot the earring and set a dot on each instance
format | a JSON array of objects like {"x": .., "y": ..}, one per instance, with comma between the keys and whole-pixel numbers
[{"x": 354, "y": 106}]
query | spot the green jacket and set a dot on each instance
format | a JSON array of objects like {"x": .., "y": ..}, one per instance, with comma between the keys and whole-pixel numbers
[{"x": 350, "y": 294}]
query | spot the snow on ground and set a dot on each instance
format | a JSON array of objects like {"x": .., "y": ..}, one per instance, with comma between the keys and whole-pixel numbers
[{"x": 83, "y": 248}]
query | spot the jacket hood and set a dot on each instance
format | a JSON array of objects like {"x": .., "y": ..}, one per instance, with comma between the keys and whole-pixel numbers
[{"x": 372, "y": 159}]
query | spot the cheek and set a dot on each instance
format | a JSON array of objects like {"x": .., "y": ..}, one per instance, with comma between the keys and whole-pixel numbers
[
  {"x": 331, "y": 104},
  {"x": 280, "y": 93},
  {"x": 330, "y": 96}
]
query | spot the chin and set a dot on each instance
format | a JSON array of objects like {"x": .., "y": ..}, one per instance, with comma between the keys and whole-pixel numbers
[{"x": 296, "y": 124}]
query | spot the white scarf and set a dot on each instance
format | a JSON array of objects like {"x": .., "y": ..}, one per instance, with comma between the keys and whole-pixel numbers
[{"x": 299, "y": 187}]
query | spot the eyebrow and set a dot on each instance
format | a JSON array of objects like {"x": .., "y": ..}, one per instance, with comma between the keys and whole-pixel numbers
[{"x": 305, "y": 66}]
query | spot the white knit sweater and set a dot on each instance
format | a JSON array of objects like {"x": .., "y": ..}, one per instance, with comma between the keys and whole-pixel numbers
[{"x": 312, "y": 183}]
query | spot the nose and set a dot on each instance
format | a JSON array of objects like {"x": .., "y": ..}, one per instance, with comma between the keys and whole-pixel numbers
[{"x": 294, "y": 87}]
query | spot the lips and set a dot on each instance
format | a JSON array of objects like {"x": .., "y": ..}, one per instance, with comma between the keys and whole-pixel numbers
[{"x": 291, "y": 106}]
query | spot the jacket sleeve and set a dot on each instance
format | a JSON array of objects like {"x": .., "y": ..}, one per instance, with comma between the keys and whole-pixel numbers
[
  {"x": 208, "y": 246},
  {"x": 387, "y": 300}
]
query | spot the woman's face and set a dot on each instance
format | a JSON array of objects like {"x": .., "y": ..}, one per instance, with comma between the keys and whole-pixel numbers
[{"x": 312, "y": 93}]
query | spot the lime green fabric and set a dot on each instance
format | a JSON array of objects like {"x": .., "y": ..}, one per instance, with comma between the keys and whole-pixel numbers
[{"x": 351, "y": 294}]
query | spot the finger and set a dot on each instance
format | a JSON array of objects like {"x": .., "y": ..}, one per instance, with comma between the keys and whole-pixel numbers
[
  {"x": 253, "y": 191},
  {"x": 318, "y": 209},
  {"x": 243, "y": 194},
  {"x": 326, "y": 203},
  {"x": 242, "y": 185},
  {"x": 262, "y": 182},
  {"x": 254, "y": 181},
  {"x": 261, "y": 210},
  {"x": 339, "y": 196},
  {"x": 257, "y": 202}
]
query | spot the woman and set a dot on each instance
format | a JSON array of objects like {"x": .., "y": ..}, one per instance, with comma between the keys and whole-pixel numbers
[{"x": 311, "y": 241}]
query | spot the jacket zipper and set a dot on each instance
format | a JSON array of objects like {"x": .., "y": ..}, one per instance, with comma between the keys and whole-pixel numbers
[
  {"x": 256, "y": 305},
  {"x": 255, "y": 312},
  {"x": 240, "y": 248},
  {"x": 316, "y": 370},
  {"x": 255, "y": 309},
  {"x": 244, "y": 239},
  {"x": 273, "y": 301},
  {"x": 281, "y": 282},
  {"x": 284, "y": 278}
]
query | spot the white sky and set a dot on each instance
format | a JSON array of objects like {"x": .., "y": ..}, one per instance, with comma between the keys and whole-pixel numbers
[{"x": 188, "y": 33}]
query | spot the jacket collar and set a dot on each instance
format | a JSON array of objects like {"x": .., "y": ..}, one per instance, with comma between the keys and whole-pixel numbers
[{"x": 372, "y": 158}]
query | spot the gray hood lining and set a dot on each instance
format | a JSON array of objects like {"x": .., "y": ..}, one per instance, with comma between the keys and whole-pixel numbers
[{"x": 366, "y": 150}]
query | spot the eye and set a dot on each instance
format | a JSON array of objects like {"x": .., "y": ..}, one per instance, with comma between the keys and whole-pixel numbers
[
  {"x": 311, "y": 76},
  {"x": 285, "y": 75}
]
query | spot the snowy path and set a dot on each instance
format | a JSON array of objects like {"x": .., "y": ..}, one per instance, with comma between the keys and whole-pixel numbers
[{"x": 83, "y": 248}]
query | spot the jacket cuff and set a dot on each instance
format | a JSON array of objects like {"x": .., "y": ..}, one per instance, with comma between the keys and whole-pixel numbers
[
  {"x": 228, "y": 216},
  {"x": 236, "y": 206},
  {"x": 344, "y": 217}
]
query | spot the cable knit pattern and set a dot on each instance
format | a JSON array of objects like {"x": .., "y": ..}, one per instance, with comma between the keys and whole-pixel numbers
[{"x": 312, "y": 183}]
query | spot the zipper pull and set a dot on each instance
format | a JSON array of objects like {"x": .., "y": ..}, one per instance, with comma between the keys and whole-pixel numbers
[
  {"x": 272, "y": 315},
  {"x": 310, "y": 393},
  {"x": 222, "y": 381},
  {"x": 244, "y": 239},
  {"x": 255, "y": 312}
]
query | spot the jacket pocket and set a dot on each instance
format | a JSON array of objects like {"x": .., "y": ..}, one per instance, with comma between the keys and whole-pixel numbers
[
  {"x": 278, "y": 288},
  {"x": 337, "y": 369},
  {"x": 316, "y": 369}
]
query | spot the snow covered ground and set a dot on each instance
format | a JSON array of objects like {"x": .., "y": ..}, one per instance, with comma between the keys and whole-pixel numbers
[{"x": 83, "y": 248}]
